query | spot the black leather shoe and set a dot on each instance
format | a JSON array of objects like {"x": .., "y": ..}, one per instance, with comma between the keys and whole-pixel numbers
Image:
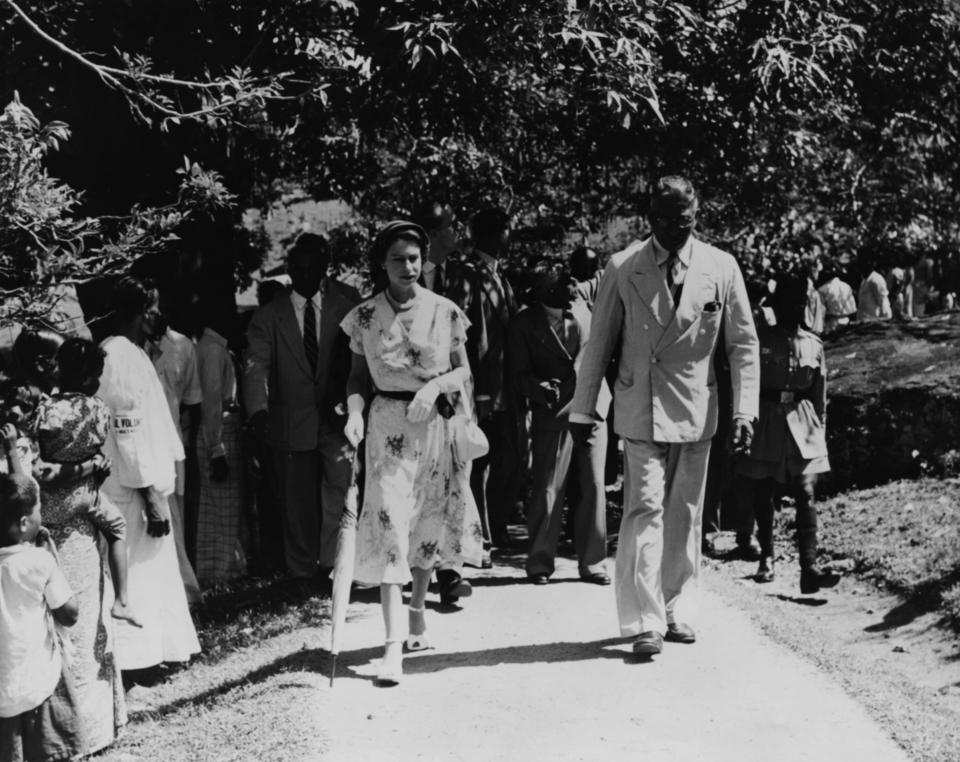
[
  {"x": 766, "y": 571},
  {"x": 648, "y": 643},
  {"x": 677, "y": 632},
  {"x": 453, "y": 587},
  {"x": 539, "y": 579},
  {"x": 811, "y": 580},
  {"x": 595, "y": 578}
]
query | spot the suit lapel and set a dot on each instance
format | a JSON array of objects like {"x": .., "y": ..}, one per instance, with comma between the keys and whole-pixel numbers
[
  {"x": 329, "y": 326},
  {"x": 650, "y": 285},
  {"x": 691, "y": 297},
  {"x": 290, "y": 330}
]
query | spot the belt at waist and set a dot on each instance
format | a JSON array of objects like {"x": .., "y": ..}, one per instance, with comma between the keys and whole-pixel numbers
[
  {"x": 784, "y": 396},
  {"x": 405, "y": 396},
  {"x": 444, "y": 405}
]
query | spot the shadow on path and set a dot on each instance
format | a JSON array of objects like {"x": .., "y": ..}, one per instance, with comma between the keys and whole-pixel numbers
[{"x": 353, "y": 665}]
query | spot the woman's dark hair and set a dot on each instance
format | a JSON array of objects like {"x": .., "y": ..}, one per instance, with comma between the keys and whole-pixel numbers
[
  {"x": 32, "y": 344},
  {"x": 131, "y": 296},
  {"x": 77, "y": 361},
  {"x": 398, "y": 230}
]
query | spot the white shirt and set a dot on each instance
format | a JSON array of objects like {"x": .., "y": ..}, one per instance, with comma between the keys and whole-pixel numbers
[
  {"x": 683, "y": 255},
  {"x": 30, "y": 665},
  {"x": 177, "y": 368},
  {"x": 874, "y": 298},
  {"x": 299, "y": 305},
  {"x": 837, "y": 298},
  {"x": 429, "y": 271}
]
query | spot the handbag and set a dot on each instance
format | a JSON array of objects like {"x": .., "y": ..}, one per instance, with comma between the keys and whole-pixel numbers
[{"x": 466, "y": 437}]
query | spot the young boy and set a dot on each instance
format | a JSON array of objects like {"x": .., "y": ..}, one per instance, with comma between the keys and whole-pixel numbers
[{"x": 34, "y": 724}]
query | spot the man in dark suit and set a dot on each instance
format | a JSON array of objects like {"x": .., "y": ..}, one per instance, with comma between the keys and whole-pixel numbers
[
  {"x": 439, "y": 273},
  {"x": 484, "y": 293},
  {"x": 294, "y": 376},
  {"x": 546, "y": 342}
]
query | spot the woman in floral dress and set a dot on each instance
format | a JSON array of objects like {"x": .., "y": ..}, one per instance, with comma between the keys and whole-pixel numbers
[
  {"x": 70, "y": 427},
  {"x": 418, "y": 510}
]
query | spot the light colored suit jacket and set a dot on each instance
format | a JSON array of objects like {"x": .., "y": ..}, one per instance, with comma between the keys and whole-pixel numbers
[
  {"x": 536, "y": 353},
  {"x": 666, "y": 390},
  {"x": 276, "y": 374}
]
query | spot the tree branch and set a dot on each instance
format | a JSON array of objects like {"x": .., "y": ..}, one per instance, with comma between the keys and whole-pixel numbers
[{"x": 114, "y": 77}]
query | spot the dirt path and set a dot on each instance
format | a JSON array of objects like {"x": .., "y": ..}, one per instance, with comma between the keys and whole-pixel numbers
[{"x": 521, "y": 672}]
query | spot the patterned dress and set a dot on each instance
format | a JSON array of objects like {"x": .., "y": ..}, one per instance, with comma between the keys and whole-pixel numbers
[
  {"x": 418, "y": 509},
  {"x": 71, "y": 428}
]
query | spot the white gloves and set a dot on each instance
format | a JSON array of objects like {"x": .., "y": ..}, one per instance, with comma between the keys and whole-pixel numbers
[
  {"x": 422, "y": 404},
  {"x": 353, "y": 431}
]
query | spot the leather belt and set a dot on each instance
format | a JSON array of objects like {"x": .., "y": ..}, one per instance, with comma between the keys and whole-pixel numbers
[
  {"x": 404, "y": 396},
  {"x": 444, "y": 405},
  {"x": 783, "y": 396}
]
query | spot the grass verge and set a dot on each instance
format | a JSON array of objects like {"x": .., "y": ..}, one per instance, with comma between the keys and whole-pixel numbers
[{"x": 905, "y": 536}]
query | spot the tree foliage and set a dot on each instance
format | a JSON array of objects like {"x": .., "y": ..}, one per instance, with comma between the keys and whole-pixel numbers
[{"x": 809, "y": 125}]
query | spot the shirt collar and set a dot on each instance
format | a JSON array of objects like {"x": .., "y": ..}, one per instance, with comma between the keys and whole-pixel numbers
[
  {"x": 9, "y": 550},
  {"x": 216, "y": 337},
  {"x": 662, "y": 254},
  {"x": 491, "y": 263},
  {"x": 299, "y": 302}
]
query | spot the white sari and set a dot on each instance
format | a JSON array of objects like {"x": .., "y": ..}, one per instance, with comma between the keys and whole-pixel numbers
[{"x": 143, "y": 447}]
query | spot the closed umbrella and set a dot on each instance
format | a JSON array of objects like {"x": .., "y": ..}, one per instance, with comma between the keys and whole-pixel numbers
[{"x": 343, "y": 568}]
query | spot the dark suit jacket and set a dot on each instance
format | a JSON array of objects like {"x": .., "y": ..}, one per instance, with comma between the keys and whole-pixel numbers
[
  {"x": 489, "y": 304},
  {"x": 537, "y": 354},
  {"x": 277, "y": 376}
]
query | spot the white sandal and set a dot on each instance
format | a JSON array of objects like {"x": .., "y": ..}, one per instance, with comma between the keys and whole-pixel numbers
[
  {"x": 418, "y": 642},
  {"x": 389, "y": 675}
]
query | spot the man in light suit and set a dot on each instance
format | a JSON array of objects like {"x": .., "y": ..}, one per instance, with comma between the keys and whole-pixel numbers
[
  {"x": 666, "y": 299},
  {"x": 294, "y": 377},
  {"x": 545, "y": 346}
]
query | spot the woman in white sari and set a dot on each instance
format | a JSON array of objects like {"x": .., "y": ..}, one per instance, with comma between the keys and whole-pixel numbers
[{"x": 143, "y": 447}]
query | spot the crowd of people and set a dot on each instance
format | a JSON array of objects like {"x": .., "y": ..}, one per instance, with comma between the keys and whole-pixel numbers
[{"x": 152, "y": 465}]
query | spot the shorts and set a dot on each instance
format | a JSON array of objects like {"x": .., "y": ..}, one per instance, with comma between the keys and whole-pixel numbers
[{"x": 47, "y": 732}]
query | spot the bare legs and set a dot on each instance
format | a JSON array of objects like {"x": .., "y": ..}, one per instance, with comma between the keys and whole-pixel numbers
[{"x": 391, "y": 601}]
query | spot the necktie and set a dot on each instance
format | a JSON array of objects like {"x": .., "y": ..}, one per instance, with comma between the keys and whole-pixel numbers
[
  {"x": 674, "y": 275},
  {"x": 310, "y": 334}
]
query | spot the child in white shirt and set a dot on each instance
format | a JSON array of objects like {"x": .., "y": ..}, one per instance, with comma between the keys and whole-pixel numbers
[{"x": 34, "y": 725}]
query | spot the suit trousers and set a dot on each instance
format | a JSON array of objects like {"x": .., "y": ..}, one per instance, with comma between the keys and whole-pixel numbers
[
  {"x": 494, "y": 478},
  {"x": 313, "y": 485},
  {"x": 658, "y": 553},
  {"x": 554, "y": 452}
]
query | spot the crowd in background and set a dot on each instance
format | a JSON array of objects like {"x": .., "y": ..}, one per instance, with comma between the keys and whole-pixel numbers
[{"x": 169, "y": 464}]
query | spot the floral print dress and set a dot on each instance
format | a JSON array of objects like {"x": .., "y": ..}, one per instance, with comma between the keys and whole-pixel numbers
[
  {"x": 71, "y": 428},
  {"x": 418, "y": 510}
]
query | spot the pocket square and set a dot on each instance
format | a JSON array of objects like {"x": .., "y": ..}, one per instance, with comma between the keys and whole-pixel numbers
[{"x": 712, "y": 306}]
